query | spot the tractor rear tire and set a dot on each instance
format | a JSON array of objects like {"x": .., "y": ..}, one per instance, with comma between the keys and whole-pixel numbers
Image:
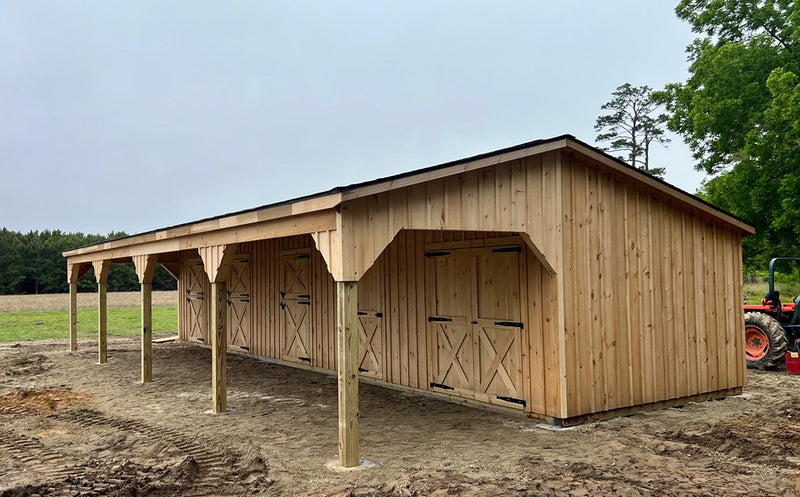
[{"x": 765, "y": 340}]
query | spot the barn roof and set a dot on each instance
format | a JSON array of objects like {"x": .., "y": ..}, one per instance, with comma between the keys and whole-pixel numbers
[{"x": 333, "y": 197}]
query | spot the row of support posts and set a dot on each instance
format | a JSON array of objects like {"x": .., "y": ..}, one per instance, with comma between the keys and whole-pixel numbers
[
  {"x": 215, "y": 261},
  {"x": 145, "y": 270}
]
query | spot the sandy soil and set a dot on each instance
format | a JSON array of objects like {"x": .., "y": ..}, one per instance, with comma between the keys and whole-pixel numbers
[
  {"x": 60, "y": 301},
  {"x": 72, "y": 427}
]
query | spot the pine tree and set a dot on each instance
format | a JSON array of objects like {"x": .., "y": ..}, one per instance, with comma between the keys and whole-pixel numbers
[{"x": 631, "y": 127}]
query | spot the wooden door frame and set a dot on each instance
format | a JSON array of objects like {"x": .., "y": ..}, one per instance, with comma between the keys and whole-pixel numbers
[{"x": 477, "y": 245}]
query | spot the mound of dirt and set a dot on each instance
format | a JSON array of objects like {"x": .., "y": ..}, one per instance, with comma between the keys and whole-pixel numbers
[
  {"x": 41, "y": 401},
  {"x": 777, "y": 440}
]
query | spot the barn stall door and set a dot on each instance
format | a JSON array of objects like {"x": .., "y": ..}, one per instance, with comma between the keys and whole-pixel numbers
[
  {"x": 476, "y": 330},
  {"x": 370, "y": 343},
  {"x": 295, "y": 304},
  {"x": 196, "y": 292},
  {"x": 497, "y": 327},
  {"x": 239, "y": 303},
  {"x": 370, "y": 323},
  {"x": 449, "y": 332}
]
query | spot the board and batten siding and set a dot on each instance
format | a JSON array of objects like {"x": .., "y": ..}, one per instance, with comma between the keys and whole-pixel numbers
[{"x": 652, "y": 296}]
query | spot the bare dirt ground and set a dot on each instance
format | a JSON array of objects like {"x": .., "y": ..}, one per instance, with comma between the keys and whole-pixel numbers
[
  {"x": 60, "y": 301},
  {"x": 71, "y": 427}
]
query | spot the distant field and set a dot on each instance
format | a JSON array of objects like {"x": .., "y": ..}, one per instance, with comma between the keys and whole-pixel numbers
[
  {"x": 39, "y": 317},
  {"x": 756, "y": 291},
  {"x": 60, "y": 302}
]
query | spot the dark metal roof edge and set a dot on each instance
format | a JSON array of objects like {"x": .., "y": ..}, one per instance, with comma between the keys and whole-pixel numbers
[
  {"x": 386, "y": 179},
  {"x": 457, "y": 162}
]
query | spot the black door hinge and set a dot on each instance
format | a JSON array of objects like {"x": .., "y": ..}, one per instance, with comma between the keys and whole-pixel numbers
[
  {"x": 511, "y": 399},
  {"x": 442, "y": 386},
  {"x": 306, "y": 359},
  {"x": 362, "y": 370},
  {"x": 436, "y": 254},
  {"x": 438, "y": 319},
  {"x": 304, "y": 302},
  {"x": 507, "y": 249},
  {"x": 509, "y": 323},
  {"x": 303, "y": 256},
  {"x": 244, "y": 348}
]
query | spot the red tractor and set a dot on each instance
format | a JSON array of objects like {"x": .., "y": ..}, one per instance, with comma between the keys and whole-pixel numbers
[{"x": 773, "y": 327}]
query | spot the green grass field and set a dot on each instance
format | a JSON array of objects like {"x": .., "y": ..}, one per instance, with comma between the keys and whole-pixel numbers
[
  {"x": 759, "y": 289},
  {"x": 19, "y": 326}
]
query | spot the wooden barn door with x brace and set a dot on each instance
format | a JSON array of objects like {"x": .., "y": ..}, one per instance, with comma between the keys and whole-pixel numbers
[
  {"x": 239, "y": 303},
  {"x": 476, "y": 336},
  {"x": 296, "y": 307},
  {"x": 197, "y": 288}
]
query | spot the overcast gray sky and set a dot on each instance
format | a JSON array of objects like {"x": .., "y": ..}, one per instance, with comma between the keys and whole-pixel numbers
[{"x": 139, "y": 115}]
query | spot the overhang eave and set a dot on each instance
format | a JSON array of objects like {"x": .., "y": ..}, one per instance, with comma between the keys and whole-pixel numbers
[{"x": 196, "y": 236}]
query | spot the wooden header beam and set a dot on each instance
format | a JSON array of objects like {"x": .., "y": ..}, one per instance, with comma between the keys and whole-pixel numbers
[{"x": 283, "y": 221}]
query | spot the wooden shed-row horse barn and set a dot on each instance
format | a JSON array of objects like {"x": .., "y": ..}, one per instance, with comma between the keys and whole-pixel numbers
[{"x": 548, "y": 278}]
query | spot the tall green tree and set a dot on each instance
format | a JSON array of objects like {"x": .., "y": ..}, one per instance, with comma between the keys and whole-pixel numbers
[
  {"x": 631, "y": 126},
  {"x": 739, "y": 111}
]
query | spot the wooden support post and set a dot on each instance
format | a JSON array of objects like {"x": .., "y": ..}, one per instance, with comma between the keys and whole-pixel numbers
[
  {"x": 74, "y": 273},
  {"x": 347, "y": 367},
  {"x": 147, "y": 332},
  {"x": 102, "y": 323},
  {"x": 73, "y": 315},
  {"x": 215, "y": 263},
  {"x": 101, "y": 270},
  {"x": 219, "y": 344},
  {"x": 145, "y": 269}
]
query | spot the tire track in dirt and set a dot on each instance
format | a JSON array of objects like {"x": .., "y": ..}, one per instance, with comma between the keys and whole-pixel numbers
[
  {"x": 48, "y": 464},
  {"x": 56, "y": 478},
  {"x": 212, "y": 464}
]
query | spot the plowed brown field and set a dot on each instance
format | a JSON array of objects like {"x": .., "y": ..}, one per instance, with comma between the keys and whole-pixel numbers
[{"x": 60, "y": 301}]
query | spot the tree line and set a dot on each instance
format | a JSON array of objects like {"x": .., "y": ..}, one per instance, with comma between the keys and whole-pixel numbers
[
  {"x": 31, "y": 263},
  {"x": 739, "y": 112}
]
